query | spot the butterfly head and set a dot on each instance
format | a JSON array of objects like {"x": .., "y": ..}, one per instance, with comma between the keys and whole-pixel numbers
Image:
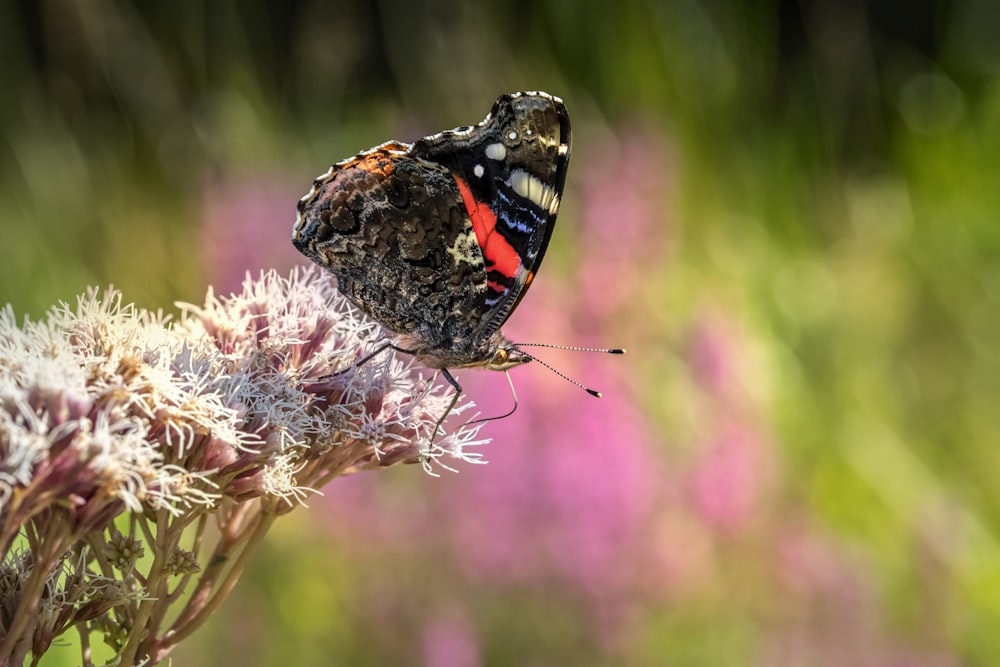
[
  {"x": 495, "y": 354},
  {"x": 507, "y": 356}
]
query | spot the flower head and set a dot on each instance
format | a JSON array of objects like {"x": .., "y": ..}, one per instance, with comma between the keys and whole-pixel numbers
[{"x": 254, "y": 397}]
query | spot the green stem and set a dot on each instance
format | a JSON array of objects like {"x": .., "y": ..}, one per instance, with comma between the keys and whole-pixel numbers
[
  {"x": 139, "y": 632},
  {"x": 83, "y": 629},
  {"x": 46, "y": 551},
  {"x": 188, "y": 623}
]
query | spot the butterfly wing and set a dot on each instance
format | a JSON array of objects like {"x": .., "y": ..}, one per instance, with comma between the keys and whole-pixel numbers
[
  {"x": 510, "y": 171},
  {"x": 439, "y": 240},
  {"x": 393, "y": 230}
]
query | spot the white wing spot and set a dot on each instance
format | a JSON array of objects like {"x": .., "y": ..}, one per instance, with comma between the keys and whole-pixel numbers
[
  {"x": 512, "y": 135},
  {"x": 496, "y": 151},
  {"x": 478, "y": 171},
  {"x": 465, "y": 249},
  {"x": 529, "y": 187}
]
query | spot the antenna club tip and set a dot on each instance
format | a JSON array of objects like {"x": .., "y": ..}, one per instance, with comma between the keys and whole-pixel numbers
[
  {"x": 594, "y": 392},
  {"x": 620, "y": 350}
]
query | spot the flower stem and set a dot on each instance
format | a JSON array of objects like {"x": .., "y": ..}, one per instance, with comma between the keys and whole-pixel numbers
[
  {"x": 84, "y": 631},
  {"x": 140, "y": 630},
  {"x": 260, "y": 522},
  {"x": 46, "y": 553}
]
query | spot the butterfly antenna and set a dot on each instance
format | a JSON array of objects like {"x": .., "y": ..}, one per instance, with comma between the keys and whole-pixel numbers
[
  {"x": 604, "y": 350},
  {"x": 592, "y": 392}
]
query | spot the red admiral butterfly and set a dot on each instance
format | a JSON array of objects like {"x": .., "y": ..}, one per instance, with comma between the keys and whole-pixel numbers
[{"x": 439, "y": 240}]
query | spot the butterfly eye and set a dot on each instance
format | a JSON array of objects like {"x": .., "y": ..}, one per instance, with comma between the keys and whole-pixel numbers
[{"x": 500, "y": 357}]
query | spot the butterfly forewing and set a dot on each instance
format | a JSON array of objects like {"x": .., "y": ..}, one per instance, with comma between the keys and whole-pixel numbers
[{"x": 511, "y": 169}]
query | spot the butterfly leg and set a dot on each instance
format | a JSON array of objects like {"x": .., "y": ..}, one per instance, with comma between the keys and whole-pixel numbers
[
  {"x": 325, "y": 380},
  {"x": 368, "y": 357},
  {"x": 454, "y": 399},
  {"x": 458, "y": 392},
  {"x": 364, "y": 360},
  {"x": 391, "y": 346}
]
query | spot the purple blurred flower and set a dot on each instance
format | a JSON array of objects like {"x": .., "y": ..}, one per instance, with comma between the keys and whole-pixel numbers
[
  {"x": 710, "y": 357},
  {"x": 450, "y": 641},
  {"x": 626, "y": 193},
  {"x": 725, "y": 479},
  {"x": 732, "y": 462},
  {"x": 564, "y": 505},
  {"x": 246, "y": 225},
  {"x": 625, "y": 226},
  {"x": 830, "y": 609},
  {"x": 565, "y": 498}
]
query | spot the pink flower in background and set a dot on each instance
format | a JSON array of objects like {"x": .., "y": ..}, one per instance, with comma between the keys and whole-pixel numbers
[
  {"x": 625, "y": 226},
  {"x": 567, "y": 493},
  {"x": 562, "y": 510},
  {"x": 728, "y": 471},
  {"x": 830, "y": 605},
  {"x": 710, "y": 357},
  {"x": 725, "y": 479},
  {"x": 565, "y": 500},
  {"x": 450, "y": 641},
  {"x": 628, "y": 183},
  {"x": 246, "y": 225}
]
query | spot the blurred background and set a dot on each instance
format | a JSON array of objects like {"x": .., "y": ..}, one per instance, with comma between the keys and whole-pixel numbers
[{"x": 786, "y": 211}]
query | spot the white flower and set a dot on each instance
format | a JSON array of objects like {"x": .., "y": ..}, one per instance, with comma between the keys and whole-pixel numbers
[{"x": 238, "y": 411}]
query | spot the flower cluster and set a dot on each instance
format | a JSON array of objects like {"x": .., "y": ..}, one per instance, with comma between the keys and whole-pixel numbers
[{"x": 123, "y": 434}]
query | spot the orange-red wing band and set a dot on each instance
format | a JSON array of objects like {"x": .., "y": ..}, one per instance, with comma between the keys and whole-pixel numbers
[{"x": 499, "y": 254}]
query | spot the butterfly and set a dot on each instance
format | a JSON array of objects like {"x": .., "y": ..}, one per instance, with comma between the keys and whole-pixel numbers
[{"x": 440, "y": 239}]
